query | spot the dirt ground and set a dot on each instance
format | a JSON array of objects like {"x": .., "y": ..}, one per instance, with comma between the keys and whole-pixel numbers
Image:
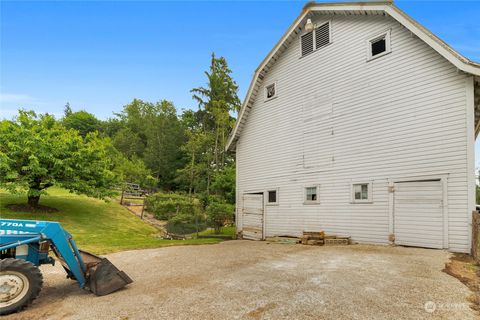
[
  {"x": 464, "y": 268},
  {"x": 258, "y": 280}
]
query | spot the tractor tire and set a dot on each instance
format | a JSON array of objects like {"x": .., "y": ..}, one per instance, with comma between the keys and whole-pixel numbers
[{"x": 20, "y": 283}]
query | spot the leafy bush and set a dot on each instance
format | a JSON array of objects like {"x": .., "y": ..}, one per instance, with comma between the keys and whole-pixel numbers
[
  {"x": 478, "y": 195},
  {"x": 223, "y": 183},
  {"x": 186, "y": 214},
  {"x": 164, "y": 206},
  {"x": 186, "y": 223},
  {"x": 133, "y": 171},
  {"x": 218, "y": 213}
]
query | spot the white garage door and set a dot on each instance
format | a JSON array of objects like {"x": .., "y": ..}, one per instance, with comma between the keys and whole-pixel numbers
[
  {"x": 252, "y": 216},
  {"x": 418, "y": 214}
]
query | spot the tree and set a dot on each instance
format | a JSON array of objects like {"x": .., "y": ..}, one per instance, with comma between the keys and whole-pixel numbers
[
  {"x": 210, "y": 124},
  {"x": 191, "y": 175},
  {"x": 67, "y": 110},
  {"x": 111, "y": 126},
  {"x": 153, "y": 133},
  {"x": 128, "y": 143},
  {"x": 164, "y": 138},
  {"x": 224, "y": 183},
  {"x": 134, "y": 171},
  {"x": 218, "y": 99},
  {"x": 82, "y": 121},
  {"x": 37, "y": 152}
]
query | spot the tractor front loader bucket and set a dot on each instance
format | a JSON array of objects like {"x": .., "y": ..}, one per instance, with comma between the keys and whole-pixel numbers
[{"x": 102, "y": 276}]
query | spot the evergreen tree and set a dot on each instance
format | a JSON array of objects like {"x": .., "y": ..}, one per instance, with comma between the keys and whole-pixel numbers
[{"x": 216, "y": 101}]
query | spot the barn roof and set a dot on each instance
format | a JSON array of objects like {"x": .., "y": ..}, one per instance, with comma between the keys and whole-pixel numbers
[{"x": 312, "y": 9}]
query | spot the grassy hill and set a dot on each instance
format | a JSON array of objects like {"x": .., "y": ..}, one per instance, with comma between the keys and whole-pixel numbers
[{"x": 97, "y": 226}]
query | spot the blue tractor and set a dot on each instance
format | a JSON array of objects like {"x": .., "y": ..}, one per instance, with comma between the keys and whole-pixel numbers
[{"x": 27, "y": 244}]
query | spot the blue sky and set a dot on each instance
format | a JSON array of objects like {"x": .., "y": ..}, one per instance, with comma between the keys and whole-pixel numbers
[{"x": 99, "y": 55}]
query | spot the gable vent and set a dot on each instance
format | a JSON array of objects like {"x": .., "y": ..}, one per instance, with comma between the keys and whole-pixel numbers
[
  {"x": 307, "y": 43},
  {"x": 322, "y": 35}
]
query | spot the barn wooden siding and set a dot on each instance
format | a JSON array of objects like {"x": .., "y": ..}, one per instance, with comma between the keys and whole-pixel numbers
[{"x": 339, "y": 119}]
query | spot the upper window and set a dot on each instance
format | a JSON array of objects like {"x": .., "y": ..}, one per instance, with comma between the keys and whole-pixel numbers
[
  {"x": 319, "y": 37},
  {"x": 272, "y": 197},
  {"x": 379, "y": 45},
  {"x": 270, "y": 91},
  {"x": 311, "y": 194},
  {"x": 362, "y": 192}
]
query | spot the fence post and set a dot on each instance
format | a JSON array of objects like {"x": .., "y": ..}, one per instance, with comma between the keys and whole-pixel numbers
[
  {"x": 143, "y": 207},
  {"x": 196, "y": 222},
  {"x": 121, "y": 198},
  {"x": 476, "y": 236}
]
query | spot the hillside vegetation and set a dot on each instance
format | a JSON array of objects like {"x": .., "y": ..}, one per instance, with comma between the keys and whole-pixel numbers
[{"x": 97, "y": 226}]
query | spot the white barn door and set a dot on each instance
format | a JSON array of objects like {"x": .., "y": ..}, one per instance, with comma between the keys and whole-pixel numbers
[
  {"x": 418, "y": 214},
  {"x": 252, "y": 216}
]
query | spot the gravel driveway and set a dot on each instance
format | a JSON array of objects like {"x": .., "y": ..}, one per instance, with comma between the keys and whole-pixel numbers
[{"x": 257, "y": 280}]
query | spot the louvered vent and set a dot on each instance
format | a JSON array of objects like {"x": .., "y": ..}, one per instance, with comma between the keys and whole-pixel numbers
[
  {"x": 322, "y": 35},
  {"x": 307, "y": 43}
]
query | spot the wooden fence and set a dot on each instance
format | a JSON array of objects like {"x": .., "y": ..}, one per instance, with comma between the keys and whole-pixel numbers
[
  {"x": 133, "y": 196},
  {"x": 476, "y": 236}
]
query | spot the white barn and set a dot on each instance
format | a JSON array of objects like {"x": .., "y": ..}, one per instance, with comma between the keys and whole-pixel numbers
[{"x": 361, "y": 123}]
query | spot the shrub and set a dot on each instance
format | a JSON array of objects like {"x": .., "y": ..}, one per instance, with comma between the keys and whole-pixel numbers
[
  {"x": 218, "y": 213},
  {"x": 185, "y": 214},
  {"x": 186, "y": 223},
  {"x": 223, "y": 183},
  {"x": 164, "y": 206}
]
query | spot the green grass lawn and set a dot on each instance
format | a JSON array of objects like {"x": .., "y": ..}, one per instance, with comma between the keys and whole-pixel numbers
[
  {"x": 97, "y": 226},
  {"x": 227, "y": 232}
]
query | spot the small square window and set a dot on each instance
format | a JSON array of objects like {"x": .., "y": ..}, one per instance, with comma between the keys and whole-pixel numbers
[
  {"x": 270, "y": 91},
  {"x": 272, "y": 196},
  {"x": 379, "y": 45},
  {"x": 311, "y": 194},
  {"x": 362, "y": 192}
]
